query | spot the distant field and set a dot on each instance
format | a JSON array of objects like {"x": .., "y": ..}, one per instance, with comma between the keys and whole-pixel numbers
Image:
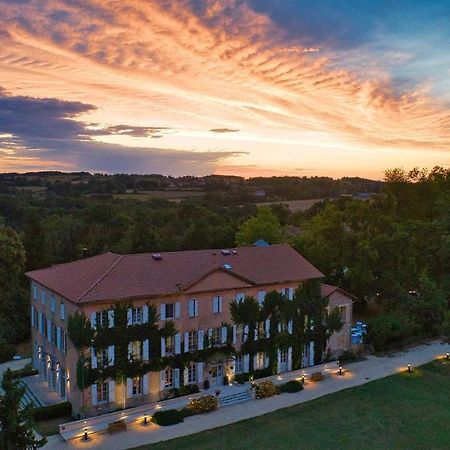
[
  {"x": 404, "y": 411},
  {"x": 295, "y": 205},
  {"x": 169, "y": 195}
]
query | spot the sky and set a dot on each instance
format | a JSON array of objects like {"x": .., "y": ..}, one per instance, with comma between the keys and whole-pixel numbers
[{"x": 243, "y": 87}]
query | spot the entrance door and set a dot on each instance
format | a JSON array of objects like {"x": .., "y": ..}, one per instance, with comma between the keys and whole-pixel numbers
[
  {"x": 217, "y": 375},
  {"x": 283, "y": 361}
]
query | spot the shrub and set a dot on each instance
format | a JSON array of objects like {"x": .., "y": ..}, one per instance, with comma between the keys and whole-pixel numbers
[
  {"x": 262, "y": 373},
  {"x": 349, "y": 356},
  {"x": 168, "y": 417},
  {"x": 26, "y": 371},
  {"x": 189, "y": 389},
  {"x": 291, "y": 386},
  {"x": 204, "y": 404},
  {"x": 52, "y": 411},
  {"x": 6, "y": 351},
  {"x": 389, "y": 330},
  {"x": 241, "y": 378},
  {"x": 265, "y": 389}
]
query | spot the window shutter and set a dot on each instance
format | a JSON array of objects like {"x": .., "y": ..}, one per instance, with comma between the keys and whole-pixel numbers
[
  {"x": 145, "y": 389},
  {"x": 210, "y": 332},
  {"x": 200, "y": 339},
  {"x": 289, "y": 361},
  {"x": 41, "y": 325},
  {"x": 215, "y": 305},
  {"x": 94, "y": 394},
  {"x": 191, "y": 308},
  {"x": 62, "y": 311},
  {"x": 224, "y": 335},
  {"x": 279, "y": 327},
  {"x": 177, "y": 310},
  {"x": 129, "y": 388},
  {"x": 290, "y": 327},
  {"x": 130, "y": 351},
  {"x": 195, "y": 307},
  {"x": 185, "y": 376},
  {"x": 186, "y": 342},
  {"x": 199, "y": 374},
  {"x": 311, "y": 353},
  {"x": 246, "y": 363},
  {"x": 162, "y": 314},
  {"x": 261, "y": 297},
  {"x": 145, "y": 350},
  {"x": 49, "y": 330},
  {"x": 267, "y": 328},
  {"x": 256, "y": 332},
  {"x": 58, "y": 338},
  {"x": 234, "y": 334},
  {"x": 111, "y": 355},
  {"x": 93, "y": 358},
  {"x": 245, "y": 335},
  {"x": 266, "y": 361},
  {"x": 145, "y": 314},
  {"x": 177, "y": 378},
  {"x": 111, "y": 318},
  {"x": 111, "y": 391},
  {"x": 255, "y": 362},
  {"x": 177, "y": 344},
  {"x": 162, "y": 380},
  {"x": 291, "y": 293},
  {"x": 278, "y": 361},
  {"x": 93, "y": 320},
  {"x": 129, "y": 317},
  {"x": 220, "y": 299},
  {"x": 163, "y": 347}
]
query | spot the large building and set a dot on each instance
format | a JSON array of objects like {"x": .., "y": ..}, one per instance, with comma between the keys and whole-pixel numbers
[{"x": 120, "y": 294}]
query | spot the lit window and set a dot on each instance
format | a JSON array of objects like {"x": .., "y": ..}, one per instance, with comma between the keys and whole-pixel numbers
[
  {"x": 168, "y": 380},
  {"x": 170, "y": 345},
  {"x": 136, "y": 385},
  {"x": 102, "y": 392},
  {"x": 260, "y": 360},
  {"x": 136, "y": 350},
  {"x": 192, "y": 374},
  {"x": 215, "y": 337}
]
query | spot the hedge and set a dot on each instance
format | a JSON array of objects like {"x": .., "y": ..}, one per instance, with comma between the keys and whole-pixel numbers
[
  {"x": 168, "y": 417},
  {"x": 265, "y": 389},
  {"x": 52, "y": 411},
  {"x": 291, "y": 386},
  {"x": 26, "y": 371},
  {"x": 203, "y": 404}
]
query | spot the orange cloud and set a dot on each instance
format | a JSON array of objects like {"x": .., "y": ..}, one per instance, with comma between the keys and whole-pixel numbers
[{"x": 223, "y": 66}]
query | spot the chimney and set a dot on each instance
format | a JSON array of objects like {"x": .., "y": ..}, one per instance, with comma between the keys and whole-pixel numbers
[{"x": 85, "y": 252}]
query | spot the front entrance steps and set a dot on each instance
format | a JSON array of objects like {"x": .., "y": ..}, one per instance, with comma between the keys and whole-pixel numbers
[{"x": 231, "y": 399}]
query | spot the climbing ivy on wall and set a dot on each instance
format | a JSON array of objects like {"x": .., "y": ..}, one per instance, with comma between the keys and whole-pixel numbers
[{"x": 306, "y": 311}]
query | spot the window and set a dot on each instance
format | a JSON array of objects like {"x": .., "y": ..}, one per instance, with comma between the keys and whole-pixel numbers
[
  {"x": 260, "y": 360},
  {"x": 64, "y": 342},
  {"x": 239, "y": 364},
  {"x": 136, "y": 350},
  {"x": 101, "y": 319},
  {"x": 43, "y": 297},
  {"x": 170, "y": 345},
  {"x": 261, "y": 297},
  {"x": 170, "y": 310},
  {"x": 215, "y": 337},
  {"x": 282, "y": 326},
  {"x": 102, "y": 392},
  {"x": 136, "y": 315},
  {"x": 35, "y": 291},
  {"x": 63, "y": 311},
  {"x": 44, "y": 325},
  {"x": 192, "y": 374},
  {"x": 193, "y": 341},
  {"x": 52, "y": 303},
  {"x": 54, "y": 333},
  {"x": 343, "y": 311},
  {"x": 168, "y": 380},
  {"x": 102, "y": 357},
  {"x": 241, "y": 333},
  {"x": 136, "y": 385},
  {"x": 217, "y": 305},
  {"x": 240, "y": 297},
  {"x": 193, "y": 308}
]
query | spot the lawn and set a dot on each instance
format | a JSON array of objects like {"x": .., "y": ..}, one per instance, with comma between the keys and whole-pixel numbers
[{"x": 403, "y": 411}]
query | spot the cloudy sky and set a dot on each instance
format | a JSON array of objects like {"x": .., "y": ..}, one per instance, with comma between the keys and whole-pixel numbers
[{"x": 246, "y": 87}]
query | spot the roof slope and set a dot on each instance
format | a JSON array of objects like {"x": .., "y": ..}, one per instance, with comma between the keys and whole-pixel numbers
[{"x": 112, "y": 277}]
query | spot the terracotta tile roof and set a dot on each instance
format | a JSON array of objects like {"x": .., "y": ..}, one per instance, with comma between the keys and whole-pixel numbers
[{"x": 109, "y": 276}]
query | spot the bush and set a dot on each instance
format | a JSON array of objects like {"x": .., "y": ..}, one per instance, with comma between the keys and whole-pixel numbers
[
  {"x": 204, "y": 404},
  {"x": 389, "y": 330},
  {"x": 291, "y": 386},
  {"x": 168, "y": 417},
  {"x": 262, "y": 373},
  {"x": 26, "y": 371},
  {"x": 52, "y": 411},
  {"x": 189, "y": 389},
  {"x": 349, "y": 356},
  {"x": 265, "y": 389},
  {"x": 7, "y": 351},
  {"x": 241, "y": 378}
]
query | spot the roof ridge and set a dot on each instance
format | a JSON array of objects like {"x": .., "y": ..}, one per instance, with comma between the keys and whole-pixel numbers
[{"x": 101, "y": 278}]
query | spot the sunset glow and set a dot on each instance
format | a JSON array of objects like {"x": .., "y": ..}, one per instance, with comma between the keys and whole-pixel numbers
[{"x": 197, "y": 87}]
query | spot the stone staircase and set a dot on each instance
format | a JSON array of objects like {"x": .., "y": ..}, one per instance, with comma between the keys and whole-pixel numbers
[
  {"x": 232, "y": 399},
  {"x": 29, "y": 398}
]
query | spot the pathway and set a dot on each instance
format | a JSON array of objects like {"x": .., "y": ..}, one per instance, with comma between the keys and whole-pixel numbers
[{"x": 358, "y": 373}]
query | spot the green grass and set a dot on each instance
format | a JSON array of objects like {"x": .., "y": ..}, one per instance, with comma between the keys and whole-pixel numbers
[{"x": 403, "y": 411}]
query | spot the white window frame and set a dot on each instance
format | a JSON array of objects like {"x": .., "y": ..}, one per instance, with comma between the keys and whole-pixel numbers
[
  {"x": 192, "y": 341},
  {"x": 169, "y": 378},
  {"x": 102, "y": 393},
  {"x": 102, "y": 319},
  {"x": 136, "y": 316},
  {"x": 192, "y": 374},
  {"x": 102, "y": 357},
  {"x": 217, "y": 304},
  {"x": 170, "y": 306}
]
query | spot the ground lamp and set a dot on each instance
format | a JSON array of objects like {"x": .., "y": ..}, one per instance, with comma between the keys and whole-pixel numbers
[
  {"x": 447, "y": 356},
  {"x": 145, "y": 419},
  {"x": 340, "y": 370},
  {"x": 409, "y": 368},
  {"x": 303, "y": 379},
  {"x": 85, "y": 434}
]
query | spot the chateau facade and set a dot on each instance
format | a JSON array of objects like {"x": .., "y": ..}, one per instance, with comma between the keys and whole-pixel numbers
[{"x": 158, "y": 323}]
